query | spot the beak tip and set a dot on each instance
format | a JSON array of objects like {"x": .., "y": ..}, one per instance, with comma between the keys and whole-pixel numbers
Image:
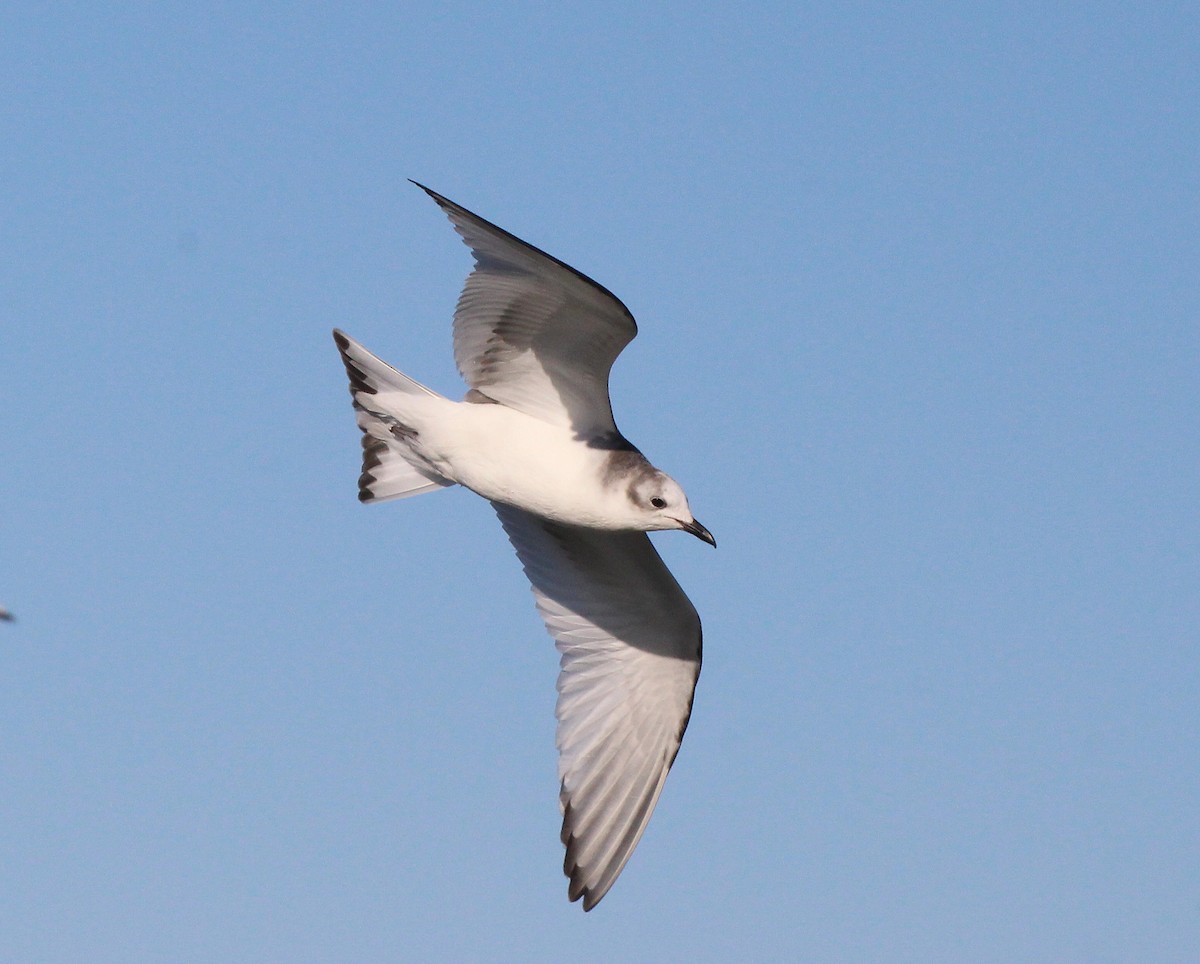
[{"x": 700, "y": 532}]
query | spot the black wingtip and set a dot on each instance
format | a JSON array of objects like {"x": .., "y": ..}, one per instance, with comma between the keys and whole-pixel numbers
[
  {"x": 576, "y": 888},
  {"x": 432, "y": 193}
]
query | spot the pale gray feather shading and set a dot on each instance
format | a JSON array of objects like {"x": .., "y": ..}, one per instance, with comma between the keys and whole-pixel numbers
[
  {"x": 388, "y": 469},
  {"x": 630, "y": 645},
  {"x": 533, "y": 333}
]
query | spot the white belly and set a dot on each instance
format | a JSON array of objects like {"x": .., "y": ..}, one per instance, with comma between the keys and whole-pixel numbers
[{"x": 510, "y": 457}]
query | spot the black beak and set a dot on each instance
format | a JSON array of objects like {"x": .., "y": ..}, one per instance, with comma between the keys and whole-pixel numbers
[{"x": 701, "y": 533}]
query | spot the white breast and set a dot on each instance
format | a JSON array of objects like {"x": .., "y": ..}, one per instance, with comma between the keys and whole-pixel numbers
[{"x": 510, "y": 457}]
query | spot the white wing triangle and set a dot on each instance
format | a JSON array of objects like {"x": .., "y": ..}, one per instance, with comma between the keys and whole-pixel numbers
[
  {"x": 630, "y": 645},
  {"x": 533, "y": 333}
]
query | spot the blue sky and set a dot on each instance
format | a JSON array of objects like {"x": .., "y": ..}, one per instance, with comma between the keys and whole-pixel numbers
[{"x": 917, "y": 288}]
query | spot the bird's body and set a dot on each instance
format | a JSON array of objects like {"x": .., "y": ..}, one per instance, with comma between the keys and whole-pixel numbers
[
  {"x": 505, "y": 455},
  {"x": 535, "y": 436}
]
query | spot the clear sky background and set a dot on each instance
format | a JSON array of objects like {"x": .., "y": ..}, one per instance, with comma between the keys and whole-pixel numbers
[{"x": 917, "y": 287}]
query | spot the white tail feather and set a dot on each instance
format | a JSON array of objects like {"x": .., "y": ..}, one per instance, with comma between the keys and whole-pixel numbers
[{"x": 391, "y": 469}]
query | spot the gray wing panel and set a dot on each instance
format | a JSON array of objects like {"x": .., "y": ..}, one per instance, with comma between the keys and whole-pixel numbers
[
  {"x": 532, "y": 332},
  {"x": 630, "y": 645}
]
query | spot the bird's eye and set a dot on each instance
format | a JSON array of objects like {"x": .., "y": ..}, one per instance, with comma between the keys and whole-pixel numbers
[{"x": 658, "y": 503}]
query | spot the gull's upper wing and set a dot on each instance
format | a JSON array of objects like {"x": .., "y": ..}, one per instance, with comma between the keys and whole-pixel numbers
[
  {"x": 533, "y": 333},
  {"x": 630, "y": 654}
]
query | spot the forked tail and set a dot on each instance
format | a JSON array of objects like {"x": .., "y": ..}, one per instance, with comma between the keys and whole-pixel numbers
[{"x": 392, "y": 469}]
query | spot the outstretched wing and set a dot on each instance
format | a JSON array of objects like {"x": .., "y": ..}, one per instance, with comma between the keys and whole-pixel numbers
[
  {"x": 630, "y": 645},
  {"x": 533, "y": 333}
]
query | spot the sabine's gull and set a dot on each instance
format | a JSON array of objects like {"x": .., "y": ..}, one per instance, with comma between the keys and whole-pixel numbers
[{"x": 535, "y": 341}]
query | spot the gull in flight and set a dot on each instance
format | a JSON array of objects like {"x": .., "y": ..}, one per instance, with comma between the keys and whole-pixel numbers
[{"x": 535, "y": 341}]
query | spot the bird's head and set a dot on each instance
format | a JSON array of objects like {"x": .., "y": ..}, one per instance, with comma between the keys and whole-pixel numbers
[{"x": 663, "y": 505}]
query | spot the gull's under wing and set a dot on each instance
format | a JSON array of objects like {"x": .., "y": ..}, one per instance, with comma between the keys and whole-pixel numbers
[
  {"x": 630, "y": 646},
  {"x": 533, "y": 333}
]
